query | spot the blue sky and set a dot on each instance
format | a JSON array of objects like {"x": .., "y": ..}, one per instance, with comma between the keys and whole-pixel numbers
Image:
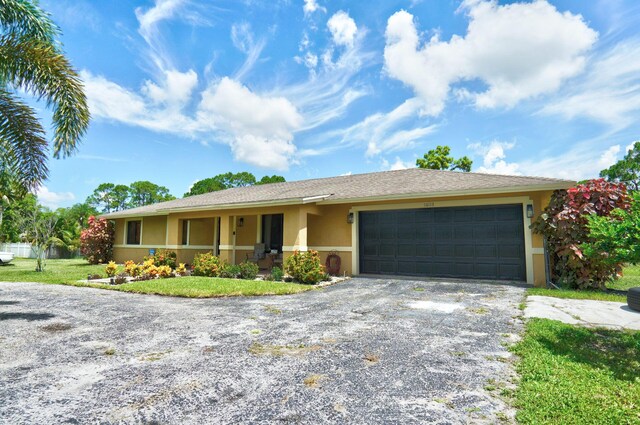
[{"x": 182, "y": 90}]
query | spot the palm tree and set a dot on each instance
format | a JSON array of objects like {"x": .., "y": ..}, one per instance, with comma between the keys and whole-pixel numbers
[{"x": 31, "y": 60}]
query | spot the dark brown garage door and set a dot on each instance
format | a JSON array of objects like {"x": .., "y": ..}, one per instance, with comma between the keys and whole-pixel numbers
[{"x": 468, "y": 242}]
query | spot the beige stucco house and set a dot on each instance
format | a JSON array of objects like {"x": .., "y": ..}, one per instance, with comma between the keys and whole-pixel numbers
[{"x": 413, "y": 222}]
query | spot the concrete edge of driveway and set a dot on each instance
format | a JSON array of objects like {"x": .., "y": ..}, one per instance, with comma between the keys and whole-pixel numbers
[{"x": 591, "y": 313}]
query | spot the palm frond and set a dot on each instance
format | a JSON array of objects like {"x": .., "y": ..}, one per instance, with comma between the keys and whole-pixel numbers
[
  {"x": 38, "y": 68},
  {"x": 23, "y": 147},
  {"x": 25, "y": 18}
]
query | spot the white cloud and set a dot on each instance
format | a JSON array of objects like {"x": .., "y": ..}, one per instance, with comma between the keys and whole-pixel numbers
[
  {"x": 261, "y": 127},
  {"x": 343, "y": 28},
  {"x": 311, "y": 6},
  {"x": 386, "y": 132},
  {"x": 399, "y": 164},
  {"x": 609, "y": 92},
  {"x": 494, "y": 158},
  {"x": 609, "y": 157},
  {"x": 518, "y": 50},
  {"x": 53, "y": 199}
]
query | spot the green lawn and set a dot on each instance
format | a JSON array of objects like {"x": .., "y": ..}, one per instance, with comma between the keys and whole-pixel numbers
[
  {"x": 630, "y": 279},
  {"x": 68, "y": 272},
  {"x": 576, "y": 375}
]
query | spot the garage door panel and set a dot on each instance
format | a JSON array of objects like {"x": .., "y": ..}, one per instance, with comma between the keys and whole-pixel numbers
[{"x": 467, "y": 242}]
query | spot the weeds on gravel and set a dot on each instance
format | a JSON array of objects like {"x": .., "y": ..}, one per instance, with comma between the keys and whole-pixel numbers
[
  {"x": 313, "y": 381},
  {"x": 371, "y": 358},
  {"x": 282, "y": 350}
]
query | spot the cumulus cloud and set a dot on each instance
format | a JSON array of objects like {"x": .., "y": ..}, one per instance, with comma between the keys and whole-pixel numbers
[
  {"x": 494, "y": 157},
  {"x": 53, "y": 199},
  {"x": 343, "y": 28},
  {"x": 609, "y": 157},
  {"x": 517, "y": 50},
  {"x": 261, "y": 127}
]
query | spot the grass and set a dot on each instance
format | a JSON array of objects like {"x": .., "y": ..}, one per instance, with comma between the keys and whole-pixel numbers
[
  {"x": 575, "y": 375},
  {"x": 68, "y": 272},
  {"x": 615, "y": 290},
  {"x": 578, "y": 295}
]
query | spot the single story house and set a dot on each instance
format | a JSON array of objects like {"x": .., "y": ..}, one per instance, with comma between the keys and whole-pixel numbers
[{"x": 413, "y": 222}]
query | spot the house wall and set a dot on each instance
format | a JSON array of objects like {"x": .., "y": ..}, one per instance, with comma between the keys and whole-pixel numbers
[{"x": 321, "y": 227}]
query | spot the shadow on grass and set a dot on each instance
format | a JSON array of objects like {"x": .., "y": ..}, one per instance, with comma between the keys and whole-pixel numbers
[
  {"x": 30, "y": 317},
  {"x": 605, "y": 349}
]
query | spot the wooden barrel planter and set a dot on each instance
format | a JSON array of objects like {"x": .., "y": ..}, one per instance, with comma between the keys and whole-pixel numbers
[{"x": 332, "y": 265}]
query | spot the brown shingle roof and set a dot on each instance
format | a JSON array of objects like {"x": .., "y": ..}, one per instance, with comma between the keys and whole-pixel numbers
[{"x": 400, "y": 184}]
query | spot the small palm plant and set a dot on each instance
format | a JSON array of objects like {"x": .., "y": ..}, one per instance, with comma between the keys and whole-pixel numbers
[{"x": 31, "y": 60}]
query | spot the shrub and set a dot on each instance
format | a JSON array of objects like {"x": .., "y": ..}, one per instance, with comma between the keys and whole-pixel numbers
[
  {"x": 111, "y": 269},
  {"x": 163, "y": 257},
  {"x": 305, "y": 267},
  {"x": 132, "y": 269},
  {"x": 96, "y": 241},
  {"x": 164, "y": 271},
  {"x": 181, "y": 269},
  {"x": 229, "y": 271},
  {"x": 120, "y": 279},
  {"x": 564, "y": 224},
  {"x": 616, "y": 238},
  {"x": 248, "y": 270},
  {"x": 152, "y": 271},
  {"x": 206, "y": 264},
  {"x": 276, "y": 274}
]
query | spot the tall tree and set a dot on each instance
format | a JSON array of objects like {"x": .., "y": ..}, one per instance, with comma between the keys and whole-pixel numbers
[
  {"x": 145, "y": 193},
  {"x": 627, "y": 170},
  {"x": 32, "y": 61},
  {"x": 440, "y": 159},
  {"x": 271, "y": 179},
  {"x": 109, "y": 197}
]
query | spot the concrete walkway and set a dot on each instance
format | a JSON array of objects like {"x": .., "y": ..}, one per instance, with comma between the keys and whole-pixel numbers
[{"x": 592, "y": 313}]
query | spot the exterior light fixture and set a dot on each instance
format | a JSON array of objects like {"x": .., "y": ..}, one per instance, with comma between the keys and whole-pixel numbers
[
  {"x": 241, "y": 222},
  {"x": 529, "y": 211},
  {"x": 350, "y": 218}
]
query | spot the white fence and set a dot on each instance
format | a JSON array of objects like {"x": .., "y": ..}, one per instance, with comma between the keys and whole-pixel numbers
[{"x": 23, "y": 250}]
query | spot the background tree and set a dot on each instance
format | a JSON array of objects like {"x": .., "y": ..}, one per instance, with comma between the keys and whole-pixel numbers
[
  {"x": 229, "y": 180},
  {"x": 440, "y": 159},
  {"x": 32, "y": 61},
  {"x": 109, "y": 197},
  {"x": 145, "y": 193},
  {"x": 38, "y": 227},
  {"x": 627, "y": 170},
  {"x": 13, "y": 212},
  {"x": 271, "y": 179}
]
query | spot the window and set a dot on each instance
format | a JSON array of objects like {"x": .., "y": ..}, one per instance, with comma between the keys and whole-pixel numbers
[
  {"x": 185, "y": 232},
  {"x": 272, "y": 227},
  {"x": 133, "y": 232}
]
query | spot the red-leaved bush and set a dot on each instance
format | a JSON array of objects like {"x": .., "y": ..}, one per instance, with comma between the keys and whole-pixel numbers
[
  {"x": 96, "y": 241},
  {"x": 564, "y": 224}
]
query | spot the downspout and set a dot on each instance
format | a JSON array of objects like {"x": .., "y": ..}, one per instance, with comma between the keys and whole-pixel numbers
[{"x": 547, "y": 267}]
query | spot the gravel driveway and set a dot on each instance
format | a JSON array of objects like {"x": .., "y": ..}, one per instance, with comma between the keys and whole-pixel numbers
[{"x": 363, "y": 351}]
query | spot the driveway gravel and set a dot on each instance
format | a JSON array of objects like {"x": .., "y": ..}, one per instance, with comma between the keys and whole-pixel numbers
[{"x": 362, "y": 351}]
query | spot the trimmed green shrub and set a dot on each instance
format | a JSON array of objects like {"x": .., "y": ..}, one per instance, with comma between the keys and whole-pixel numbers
[
  {"x": 206, "y": 264},
  {"x": 248, "y": 270},
  {"x": 276, "y": 274},
  {"x": 305, "y": 267},
  {"x": 229, "y": 271}
]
